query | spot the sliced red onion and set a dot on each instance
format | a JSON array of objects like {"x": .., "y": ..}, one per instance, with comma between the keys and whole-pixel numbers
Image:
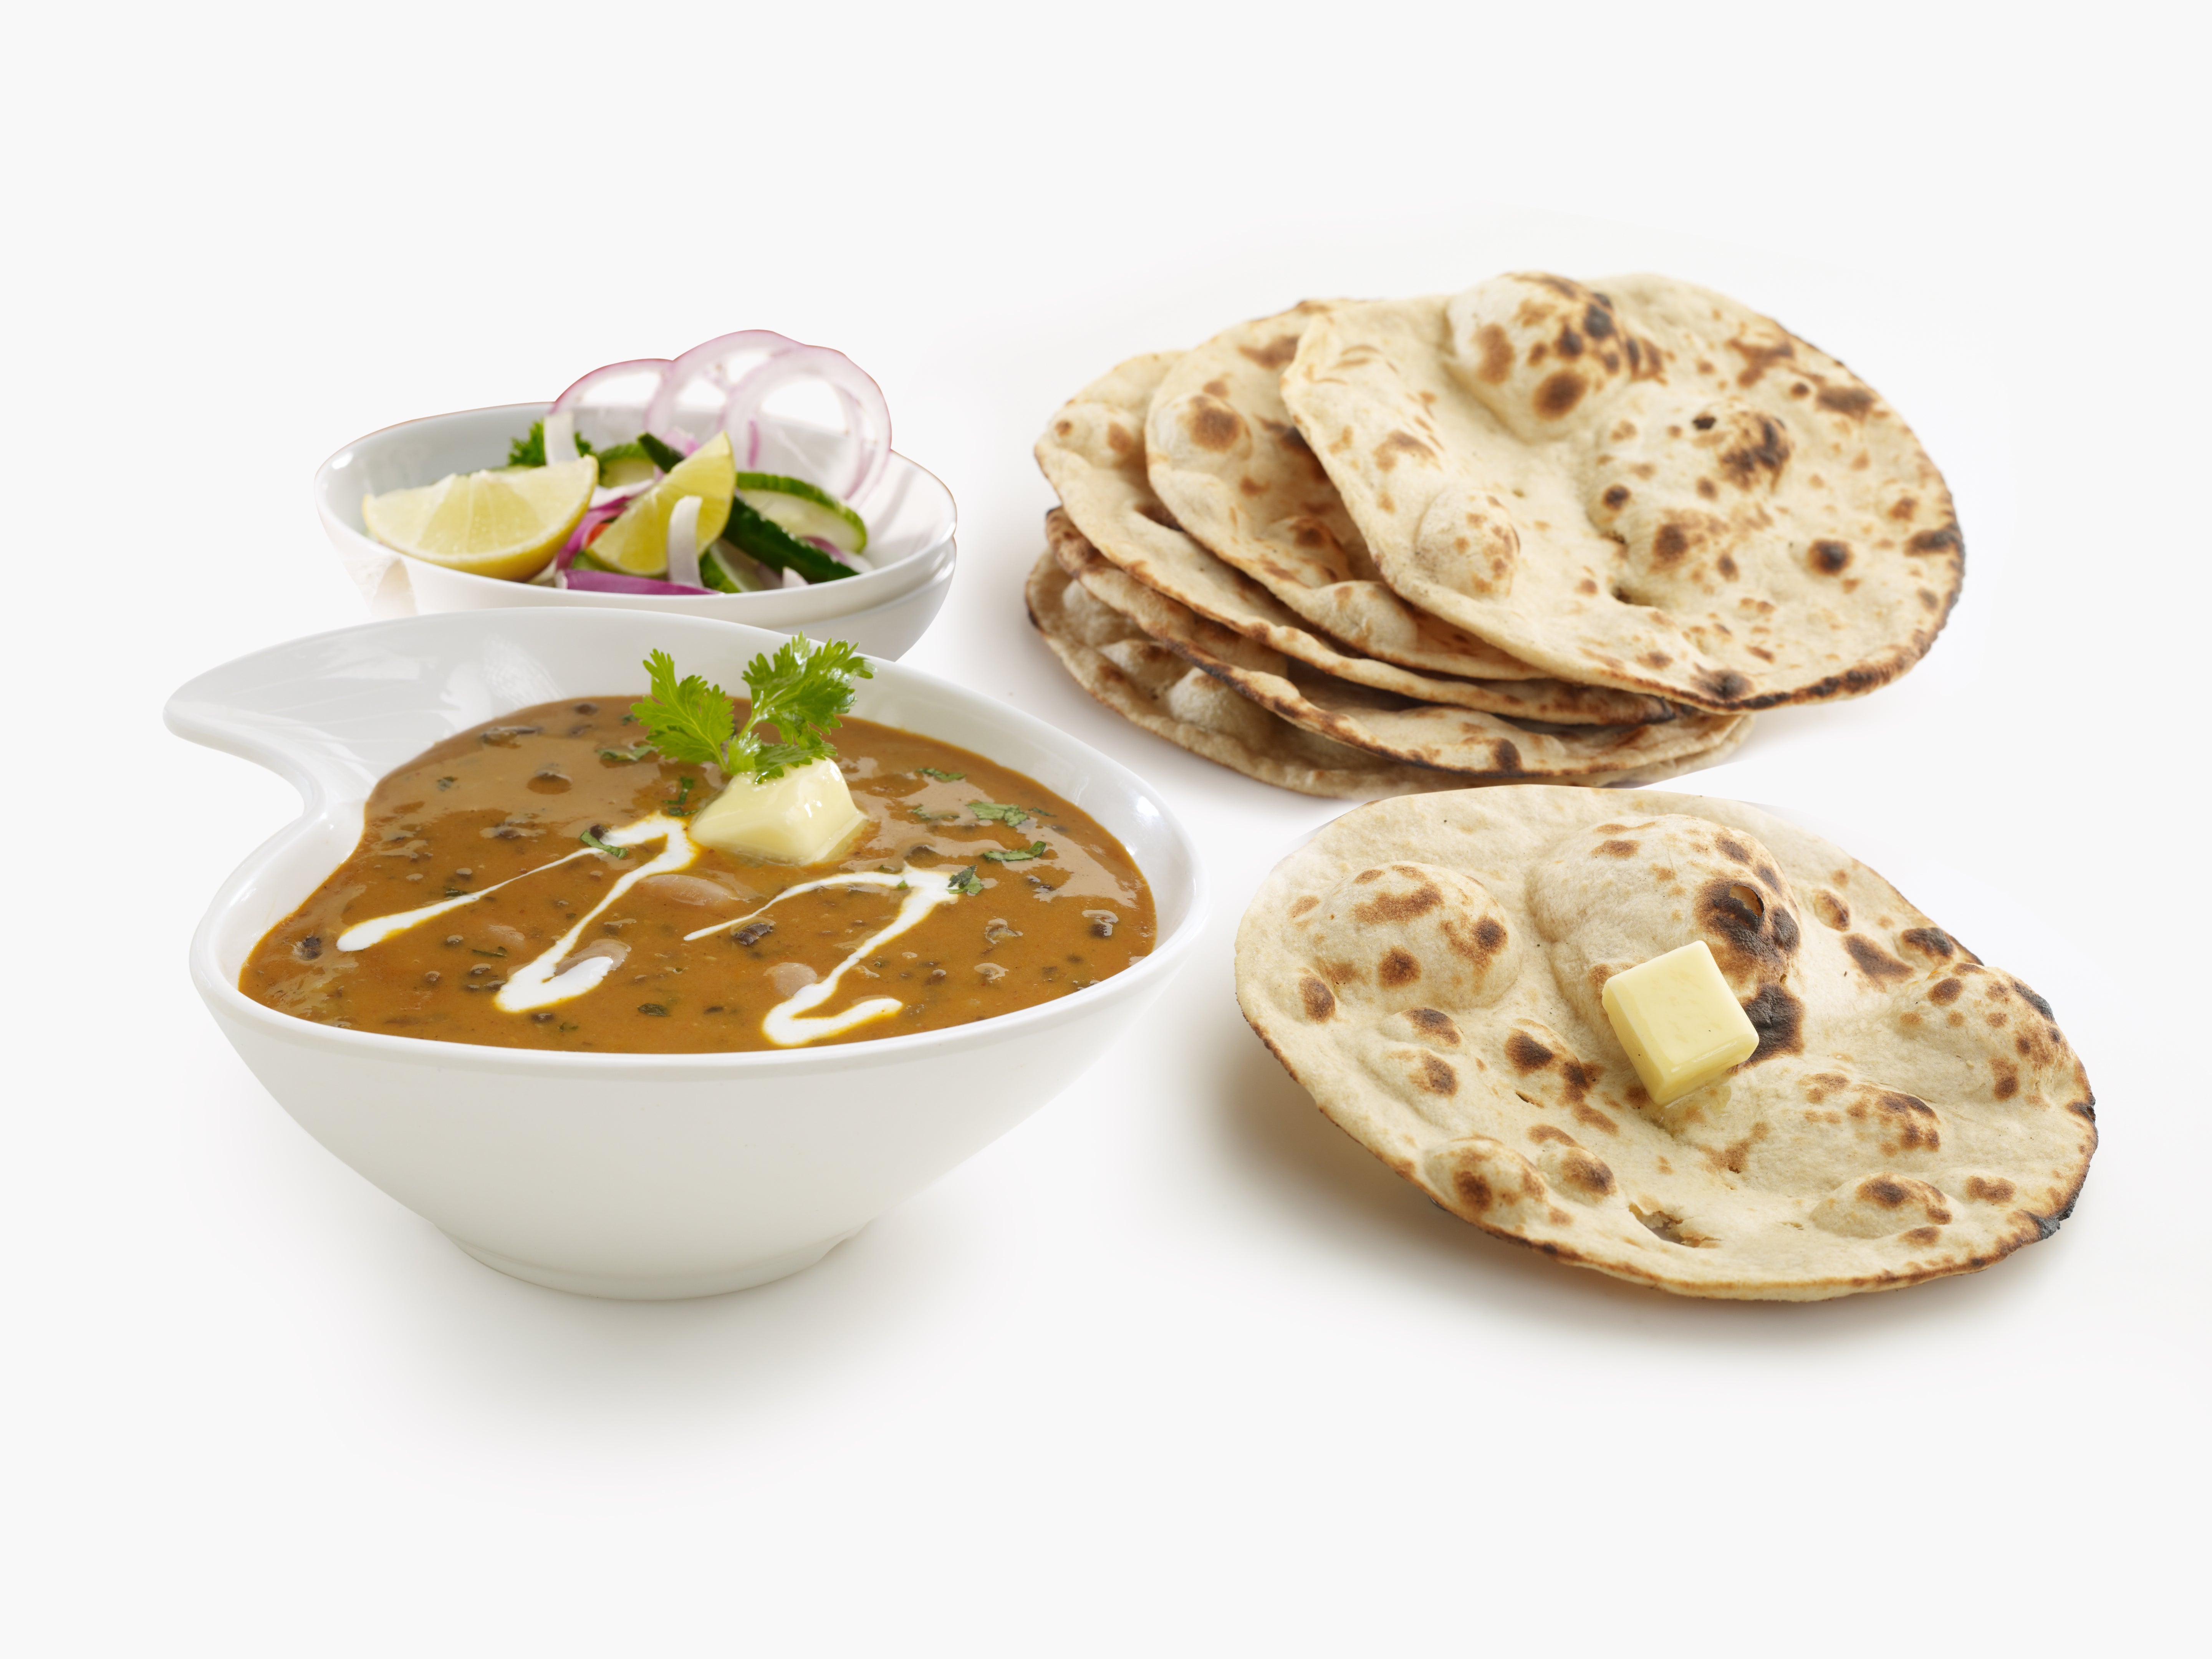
[
  {"x": 581, "y": 537},
  {"x": 867, "y": 416},
  {"x": 705, "y": 363},
  {"x": 569, "y": 401},
  {"x": 559, "y": 433},
  {"x": 613, "y": 581},
  {"x": 684, "y": 542}
]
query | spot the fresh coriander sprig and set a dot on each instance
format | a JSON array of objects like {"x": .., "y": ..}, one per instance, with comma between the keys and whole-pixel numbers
[
  {"x": 803, "y": 690},
  {"x": 531, "y": 451}
]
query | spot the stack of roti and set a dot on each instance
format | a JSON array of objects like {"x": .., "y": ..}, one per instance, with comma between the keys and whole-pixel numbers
[
  {"x": 1532, "y": 532},
  {"x": 1432, "y": 970}
]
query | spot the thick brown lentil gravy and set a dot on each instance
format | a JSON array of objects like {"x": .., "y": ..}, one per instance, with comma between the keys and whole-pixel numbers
[{"x": 506, "y": 798}]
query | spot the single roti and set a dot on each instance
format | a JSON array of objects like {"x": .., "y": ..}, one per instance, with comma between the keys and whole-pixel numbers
[
  {"x": 1482, "y": 746},
  {"x": 1093, "y": 453},
  {"x": 1644, "y": 485},
  {"x": 1151, "y": 686},
  {"x": 1432, "y": 970}
]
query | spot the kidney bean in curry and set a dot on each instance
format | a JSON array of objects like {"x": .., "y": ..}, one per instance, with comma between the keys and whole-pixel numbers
[{"x": 506, "y": 799}]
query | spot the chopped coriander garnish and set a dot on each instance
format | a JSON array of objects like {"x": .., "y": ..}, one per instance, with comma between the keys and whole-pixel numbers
[
  {"x": 923, "y": 815},
  {"x": 941, "y": 776},
  {"x": 1036, "y": 849},
  {"x": 590, "y": 839},
  {"x": 531, "y": 451},
  {"x": 1012, "y": 816},
  {"x": 964, "y": 882},
  {"x": 804, "y": 690},
  {"x": 676, "y": 808},
  {"x": 636, "y": 751}
]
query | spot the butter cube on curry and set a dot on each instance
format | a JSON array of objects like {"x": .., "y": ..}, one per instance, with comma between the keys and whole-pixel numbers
[
  {"x": 1679, "y": 1023},
  {"x": 801, "y": 818}
]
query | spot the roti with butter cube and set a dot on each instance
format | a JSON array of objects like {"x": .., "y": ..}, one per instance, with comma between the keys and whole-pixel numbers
[
  {"x": 1432, "y": 970},
  {"x": 1640, "y": 484}
]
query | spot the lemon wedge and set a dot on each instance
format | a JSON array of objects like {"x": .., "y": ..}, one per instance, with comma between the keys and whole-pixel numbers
[
  {"x": 636, "y": 543},
  {"x": 506, "y": 525}
]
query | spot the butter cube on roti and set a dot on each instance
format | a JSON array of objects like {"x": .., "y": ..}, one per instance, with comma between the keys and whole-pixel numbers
[
  {"x": 1679, "y": 1022},
  {"x": 801, "y": 818}
]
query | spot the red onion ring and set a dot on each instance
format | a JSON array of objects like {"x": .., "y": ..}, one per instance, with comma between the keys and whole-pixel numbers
[
  {"x": 612, "y": 581},
  {"x": 862, "y": 398},
  {"x": 704, "y": 361},
  {"x": 573, "y": 397}
]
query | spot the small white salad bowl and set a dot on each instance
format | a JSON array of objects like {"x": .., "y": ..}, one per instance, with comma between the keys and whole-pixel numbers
[
  {"x": 909, "y": 513},
  {"x": 630, "y": 1174}
]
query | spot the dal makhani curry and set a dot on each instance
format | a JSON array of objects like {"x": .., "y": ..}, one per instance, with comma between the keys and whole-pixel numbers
[{"x": 695, "y": 873}]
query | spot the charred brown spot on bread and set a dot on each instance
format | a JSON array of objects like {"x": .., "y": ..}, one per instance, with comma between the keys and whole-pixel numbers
[
  {"x": 1589, "y": 1174},
  {"x": 1671, "y": 543},
  {"x": 1398, "y": 907},
  {"x": 1881, "y": 1189},
  {"x": 1702, "y": 422},
  {"x": 1911, "y": 1119},
  {"x": 1397, "y": 443},
  {"x": 1923, "y": 1235},
  {"x": 1119, "y": 441},
  {"x": 1526, "y": 1053},
  {"x": 1617, "y": 496},
  {"x": 1497, "y": 354},
  {"x": 1617, "y": 849},
  {"x": 1435, "y": 1024},
  {"x": 1504, "y": 756},
  {"x": 1930, "y": 941},
  {"x": 1212, "y": 424},
  {"x": 1945, "y": 992},
  {"x": 1903, "y": 509},
  {"x": 2007, "y": 1079},
  {"x": 1471, "y": 1189},
  {"x": 2033, "y": 1000},
  {"x": 1489, "y": 936},
  {"x": 1946, "y": 539},
  {"x": 1597, "y": 321},
  {"x": 1559, "y": 393},
  {"x": 1398, "y": 967},
  {"x": 1832, "y": 911},
  {"x": 1320, "y": 1001},
  {"x": 1851, "y": 400},
  {"x": 1587, "y": 1114},
  {"x": 1570, "y": 344},
  {"x": 1984, "y": 1191},
  {"x": 1276, "y": 354},
  {"x": 1437, "y": 1076},
  {"x": 1779, "y": 1019},
  {"x": 1829, "y": 557},
  {"x": 1305, "y": 903},
  {"x": 1874, "y": 962},
  {"x": 1723, "y": 685}
]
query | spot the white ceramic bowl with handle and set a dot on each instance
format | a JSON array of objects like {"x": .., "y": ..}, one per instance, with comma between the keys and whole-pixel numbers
[
  {"x": 640, "y": 1176},
  {"x": 911, "y": 540}
]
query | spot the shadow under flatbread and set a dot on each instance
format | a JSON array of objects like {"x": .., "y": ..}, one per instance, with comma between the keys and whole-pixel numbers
[{"x": 1331, "y": 1184}]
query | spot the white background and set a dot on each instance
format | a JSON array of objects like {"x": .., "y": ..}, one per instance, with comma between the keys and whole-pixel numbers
[{"x": 1175, "y": 1367}]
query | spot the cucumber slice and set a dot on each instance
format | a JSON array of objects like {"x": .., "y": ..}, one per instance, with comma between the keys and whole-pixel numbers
[
  {"x": 623, "y": 464},
  {"x": 803, "y": 509},
  {"x": 763, "y": 539},
  {"x": 716, "y": 571}
]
